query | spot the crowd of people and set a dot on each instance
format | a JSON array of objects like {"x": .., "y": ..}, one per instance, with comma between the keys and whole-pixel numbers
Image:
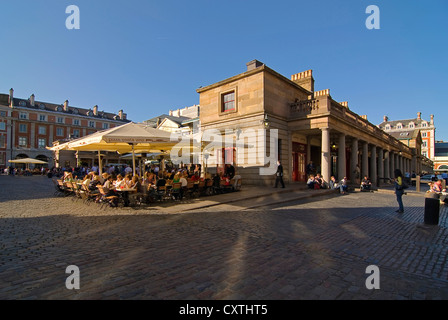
[{"x": 154, "y": 177}]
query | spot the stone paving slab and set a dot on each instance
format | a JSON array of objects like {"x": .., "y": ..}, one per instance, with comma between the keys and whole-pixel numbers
[{"x": 300, "y": 249}]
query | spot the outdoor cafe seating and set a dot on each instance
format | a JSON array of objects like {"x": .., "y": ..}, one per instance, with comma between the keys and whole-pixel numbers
[{"x": 146, "y": 195}]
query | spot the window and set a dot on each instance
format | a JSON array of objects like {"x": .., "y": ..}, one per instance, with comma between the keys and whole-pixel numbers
[
  {"x": 105, "y": 126},
  {"x": 92, "y": 124},
  {"x": 424, "y": 124},
  {"x": 399, "y": 126},
  {"x": 42, "y": 117},
  {"x": 425, "y": 144},
  {"x": 76, "y": 133},
  {"x": 42, "y": 130},
  {"x": 23, "y": 115},
  {"x": 424, "y": 134},
  {"x": 59, "y": 132},
  {"x": 2, "y": 158},
  {"x": 23, "y": 128},
  {"x": 2, "y": 113},
  {"x": 60, "y": 120},
  {"x": 388, "y": 127},
  {"x": 425, "y": 153},
  {"x": 22, "y": 141},
  {"x": 2, "y": 126},
  {"x": 2, "y": 141},
  {"x": 228, "y": 102},
  {"x": 42, "y": 143},
  {"x": 411, "y": 125},
  {"x": 76, "y": 122}
]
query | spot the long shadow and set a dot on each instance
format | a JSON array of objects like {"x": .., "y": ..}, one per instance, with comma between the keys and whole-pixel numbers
[{"x": 297, "y": 252}]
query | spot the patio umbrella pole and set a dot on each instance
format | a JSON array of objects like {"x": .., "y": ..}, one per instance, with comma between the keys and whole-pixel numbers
[
  {"x": 133, "y": 159},
  {"x": 100, "y": 166}
]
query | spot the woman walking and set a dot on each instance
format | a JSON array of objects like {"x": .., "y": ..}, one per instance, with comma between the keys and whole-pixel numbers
[{"x": 399, "y": 191}]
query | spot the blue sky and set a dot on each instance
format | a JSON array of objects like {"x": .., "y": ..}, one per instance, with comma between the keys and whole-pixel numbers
[{"x": 148, "y": 57}]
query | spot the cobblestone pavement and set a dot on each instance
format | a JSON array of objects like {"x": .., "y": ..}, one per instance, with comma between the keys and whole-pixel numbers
[{"x": 318, "y": 249}]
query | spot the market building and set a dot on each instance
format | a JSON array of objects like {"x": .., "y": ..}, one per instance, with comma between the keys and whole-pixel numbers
[{"x": 311, "y": 126}]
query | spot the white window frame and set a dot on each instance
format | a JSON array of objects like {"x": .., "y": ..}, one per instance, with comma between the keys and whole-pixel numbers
[
  {"x": 23, "y": 115},
  {"x": 62, "y": 130},
  {"x": 91, "y": 124},
  {"x": 44, "y": 129},
  {"x": 39, "y": 140},
  {"x": 22, "y": 138}
]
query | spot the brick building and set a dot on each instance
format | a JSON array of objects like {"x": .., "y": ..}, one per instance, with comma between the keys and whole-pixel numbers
[
  {"x": 427, "y": 129},
  {"x": 28, "y": 126}
]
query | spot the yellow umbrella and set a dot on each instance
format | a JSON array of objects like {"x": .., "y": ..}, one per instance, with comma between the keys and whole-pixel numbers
[{"x": 129, "y": 138}]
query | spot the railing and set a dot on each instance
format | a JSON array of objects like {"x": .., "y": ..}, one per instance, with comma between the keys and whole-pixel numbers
[
  {"x": 358, "y": 121},
  {"x": 304, "y": 107}
]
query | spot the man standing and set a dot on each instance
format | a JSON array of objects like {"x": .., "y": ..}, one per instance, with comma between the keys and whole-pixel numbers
[{"x": 279, "y": 175}]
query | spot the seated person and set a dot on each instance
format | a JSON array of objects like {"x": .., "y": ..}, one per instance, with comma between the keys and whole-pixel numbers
[
  {"x": 161, "y": 182},
  {"x": 366, "y": 185},
  {"x": 120, "y": 183},
  {"x": 195, "y": 177},
  {"x": 343, "y": 185},
  {"x": 310, "y": 183},
  {"x": 318, "y": 181},
  {"x": 437, "y": 186},
  {"x": 333, "y": 183}
]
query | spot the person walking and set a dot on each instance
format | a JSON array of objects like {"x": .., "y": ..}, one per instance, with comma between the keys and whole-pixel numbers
[
  {"x": 399, "y": 190},
  {"x": 279, "y": 175}
]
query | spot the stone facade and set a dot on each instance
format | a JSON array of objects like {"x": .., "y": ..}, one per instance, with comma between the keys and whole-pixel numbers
[{"x": 311, "y": 126}]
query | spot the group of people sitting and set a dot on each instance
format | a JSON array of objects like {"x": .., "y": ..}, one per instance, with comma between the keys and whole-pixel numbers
[
  {"x": 112, "y": 183},
  {"x": 317, "y": 181}
]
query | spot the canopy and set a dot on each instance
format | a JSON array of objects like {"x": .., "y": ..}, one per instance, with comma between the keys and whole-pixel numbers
[
  {"x": 128, "y": 138},
  {"x": 28, "y": 161}
]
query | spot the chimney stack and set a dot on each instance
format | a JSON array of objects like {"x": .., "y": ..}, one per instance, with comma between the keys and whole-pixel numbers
[
  {"x": 432, "y": 119},
  {"x": 122, "y": 115},
  {"x": 66, "y": 105},
  {"x": 32, "y": 100},
  {"x": 11, "y": 97},
  {"x": 95, "y": 110},
  {"x": 419, "y": 116},
  {"x": 253, "y": 65},
  {"x": 304, "y": 79},
  {"x": 385, "y": 119}
]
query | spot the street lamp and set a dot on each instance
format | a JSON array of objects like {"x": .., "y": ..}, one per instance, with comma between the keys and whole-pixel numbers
[{"x": 266, "y": 123}]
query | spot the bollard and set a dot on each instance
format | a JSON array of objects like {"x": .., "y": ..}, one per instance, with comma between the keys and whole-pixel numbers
[
  {"x": 432, "y": 207},
  {"x": 417, "y": 183}
]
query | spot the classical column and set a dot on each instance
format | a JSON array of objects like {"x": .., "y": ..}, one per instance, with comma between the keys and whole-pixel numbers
[
  {"x": 354, "y": 161},
  {"x": 392, "y": 164},
  {"x": 325, "y": 158},
  {"x": 380, "y": 166},
  {"x": 386, "y": 164},
  {"x": 373, "y": 169},
  {"x": 342, "y": 162},
  {"x": 402, "y": 164},
  {"x": 365, "y": 160},
  {"x": 289, "y": 164}
]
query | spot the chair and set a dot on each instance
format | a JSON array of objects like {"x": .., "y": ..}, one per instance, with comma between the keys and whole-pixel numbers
[
  {"x": 105, "y": 199},
  {"x": 176, "y": 190}
]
